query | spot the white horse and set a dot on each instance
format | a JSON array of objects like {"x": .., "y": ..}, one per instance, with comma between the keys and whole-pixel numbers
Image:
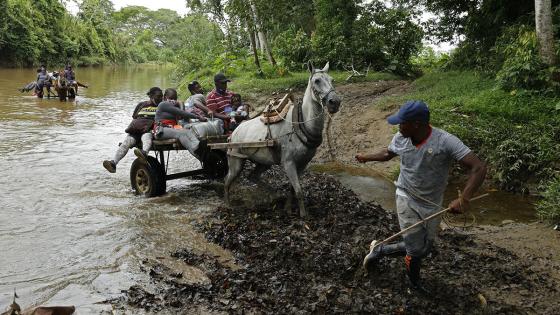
[{"x": 296, "y": 137}]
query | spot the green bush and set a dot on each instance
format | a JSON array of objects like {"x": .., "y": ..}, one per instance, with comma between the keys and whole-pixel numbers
[
  {"x": 430, "y": 59},
  {"x": 294, "y": 47},
  {"x": 549, "y": 207},
  {"x": 522, "y": 67}
]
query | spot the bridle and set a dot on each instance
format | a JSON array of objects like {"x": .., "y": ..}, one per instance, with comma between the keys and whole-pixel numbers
[
  {"x": 298, "y": 123},
  {"x": 317, "y": 96}
]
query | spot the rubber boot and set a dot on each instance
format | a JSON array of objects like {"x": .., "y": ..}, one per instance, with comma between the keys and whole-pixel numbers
[
  {"x": 390, "y": 250},
  {"x": 110, "y": 165},
  {"x": 413, "y": 272}
]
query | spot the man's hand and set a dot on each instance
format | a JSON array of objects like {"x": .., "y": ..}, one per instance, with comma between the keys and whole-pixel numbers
[
  {"x": 361, "y": 158},
  {"x": 458, "y": 205},
  {"x": 201, "y": 118}
]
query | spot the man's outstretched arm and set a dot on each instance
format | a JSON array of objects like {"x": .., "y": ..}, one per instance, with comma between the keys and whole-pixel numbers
[{"x": 381, "y": 156}]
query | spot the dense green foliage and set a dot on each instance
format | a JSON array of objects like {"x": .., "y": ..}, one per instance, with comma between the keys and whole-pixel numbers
[
  {"x": 548, "y": 207},
  {"x": 344, "y": 33},
  {"x": 498, "y": 38},
  {"x": 34, "y": 32},
  {"x": 44, "y": 32}
]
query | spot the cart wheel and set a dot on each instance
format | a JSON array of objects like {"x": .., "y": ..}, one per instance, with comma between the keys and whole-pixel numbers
[
  {"x": 148, "y": 179},
  {"x": 215, "y": 164}
]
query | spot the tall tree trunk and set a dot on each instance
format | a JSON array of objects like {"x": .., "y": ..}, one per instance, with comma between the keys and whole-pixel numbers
[
  {"x": 262, "y": 36},
  {"x": 251, "y": 31},
  {"x": 545, "y": 36}
]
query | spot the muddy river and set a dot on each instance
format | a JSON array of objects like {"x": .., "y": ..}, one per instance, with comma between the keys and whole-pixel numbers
[{"x": 70, "y": 232}]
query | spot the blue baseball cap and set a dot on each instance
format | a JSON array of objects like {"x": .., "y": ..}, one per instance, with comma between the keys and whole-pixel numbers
[{"x": 411, "y": 111}]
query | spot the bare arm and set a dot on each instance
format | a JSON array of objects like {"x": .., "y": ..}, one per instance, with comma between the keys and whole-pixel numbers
[
  {"x": 202, "y": 107},
  {"x": 221, "y": 116},
  {"x": 477, "y": 173},
  {"x": 381, "y": 156},
  {"x": 171, "y": 108}
]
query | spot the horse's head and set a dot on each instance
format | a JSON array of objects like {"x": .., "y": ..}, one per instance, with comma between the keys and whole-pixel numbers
[
  {"x": 62, "y": 82},
  {"x": 323, "y": 89}
]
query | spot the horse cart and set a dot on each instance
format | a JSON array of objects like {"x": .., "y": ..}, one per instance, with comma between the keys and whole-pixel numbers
[{"x": 150, "y": 179}]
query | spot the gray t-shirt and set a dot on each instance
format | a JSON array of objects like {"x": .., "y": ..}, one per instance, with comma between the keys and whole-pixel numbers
[
  {"x": 170, "y": 110},
  {"x": 424, "y": 169},
  {"x": 195, "y": 99}
]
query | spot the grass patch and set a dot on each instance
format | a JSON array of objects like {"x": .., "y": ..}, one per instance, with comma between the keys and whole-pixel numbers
[{"x": 249, "y": 83}]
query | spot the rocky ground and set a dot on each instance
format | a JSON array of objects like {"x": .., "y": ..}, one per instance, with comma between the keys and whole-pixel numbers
[
  {"x": 283, "y": 264},
  {"x": 286, "y": 265}
]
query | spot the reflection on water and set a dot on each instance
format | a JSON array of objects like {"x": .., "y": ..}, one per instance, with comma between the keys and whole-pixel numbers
[
  {"x": 371, "y": 186},
  {"x": 71, "y": 233}
]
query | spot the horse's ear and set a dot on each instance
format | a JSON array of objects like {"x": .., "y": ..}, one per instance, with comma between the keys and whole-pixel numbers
[
  {"x": 310, "y": 66},
  {"x": 326, "y": 68}
]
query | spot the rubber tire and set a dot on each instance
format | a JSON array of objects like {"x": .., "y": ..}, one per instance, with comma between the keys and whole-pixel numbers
[
  {"x": 152, "y": 176},
  {"x": 215, "y": 164}
]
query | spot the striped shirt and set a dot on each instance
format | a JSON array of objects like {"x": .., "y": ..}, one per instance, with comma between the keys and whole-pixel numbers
[{"x": 219, "y": 103}]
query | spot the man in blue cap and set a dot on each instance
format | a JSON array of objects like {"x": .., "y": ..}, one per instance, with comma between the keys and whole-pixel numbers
[{"x": 426, "y": 154}]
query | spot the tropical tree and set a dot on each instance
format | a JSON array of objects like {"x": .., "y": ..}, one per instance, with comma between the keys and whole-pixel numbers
[{"x": 543, "y": 17}]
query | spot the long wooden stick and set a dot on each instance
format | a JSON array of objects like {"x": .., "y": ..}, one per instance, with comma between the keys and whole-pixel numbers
[{"x": 422, "y": 221}]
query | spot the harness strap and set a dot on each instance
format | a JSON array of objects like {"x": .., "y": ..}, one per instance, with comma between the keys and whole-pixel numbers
[{"x": 308, "y": 139}]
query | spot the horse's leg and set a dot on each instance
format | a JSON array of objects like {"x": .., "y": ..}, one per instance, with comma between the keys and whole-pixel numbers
[
  {"x": 49, "y": 91},
  {"x": 292, "y": 172},
  {"x": 235, "y": 166},
  {"x": 289, "y": 200},
  {"x": 255, "y": 175}
]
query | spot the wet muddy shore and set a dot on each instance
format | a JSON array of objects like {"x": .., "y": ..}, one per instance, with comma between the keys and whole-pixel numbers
[{"x": 285, "y": 265}]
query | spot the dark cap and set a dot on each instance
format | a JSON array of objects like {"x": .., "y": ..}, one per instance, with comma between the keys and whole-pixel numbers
[
  {"x": 411, "y": 111},
  {"x": 220, "y": 77}
]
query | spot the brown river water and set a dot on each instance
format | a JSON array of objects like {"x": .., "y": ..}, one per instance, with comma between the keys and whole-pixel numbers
[
  {"x": 70, "y": 232},
  {"x": 73, "y": 234}
]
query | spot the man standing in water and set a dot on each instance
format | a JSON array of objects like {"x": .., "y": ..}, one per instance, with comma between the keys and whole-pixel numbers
[
  {"x": 43, "y": 81},
  {"x": 426, "y": 155}
]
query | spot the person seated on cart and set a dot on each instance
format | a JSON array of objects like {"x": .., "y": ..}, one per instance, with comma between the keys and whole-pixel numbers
[
  {"x": 139, "y": 130},
  {"x": 169, "y": 96},
  {"x": 239, "y": 112},
  {"x": 196, "y": 103},
  {"x": 219, "y": 100},
  {"x": 166, "y": 122},
  {"x": 70, "y": 75},
  {"x": 44, "y": 80}
]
